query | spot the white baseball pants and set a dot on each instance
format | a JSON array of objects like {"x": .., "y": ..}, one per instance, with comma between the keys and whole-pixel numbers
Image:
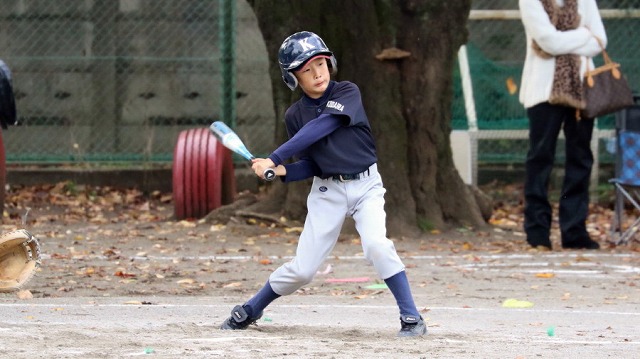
[{"x": 329, "y": 202}]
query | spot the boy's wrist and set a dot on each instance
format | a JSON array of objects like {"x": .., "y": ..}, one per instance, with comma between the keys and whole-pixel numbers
[{"x": 275, "y": 161}]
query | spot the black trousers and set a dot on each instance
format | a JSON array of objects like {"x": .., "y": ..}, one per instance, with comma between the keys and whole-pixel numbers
[{"x": 545, "y": 122}]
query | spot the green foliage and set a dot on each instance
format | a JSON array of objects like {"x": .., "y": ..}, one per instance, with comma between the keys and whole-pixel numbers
[
  {"x": 425, "y": 225},
  {"x": 71, "y": 188}
]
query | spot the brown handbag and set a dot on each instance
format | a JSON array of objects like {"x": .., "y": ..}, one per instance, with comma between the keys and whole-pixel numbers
[{"x": 605, "y": 89}]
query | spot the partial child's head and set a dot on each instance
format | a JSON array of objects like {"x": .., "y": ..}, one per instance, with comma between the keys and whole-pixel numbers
[{"x": 304, "y": 54}]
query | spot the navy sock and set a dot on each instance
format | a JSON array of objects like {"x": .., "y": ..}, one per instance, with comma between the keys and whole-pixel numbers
[
  {"x": 399, "y": 286},
  {"x": 261, "y": 300}
]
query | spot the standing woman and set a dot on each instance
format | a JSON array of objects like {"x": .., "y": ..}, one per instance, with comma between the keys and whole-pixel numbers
[{"x": 562, "y": 37}]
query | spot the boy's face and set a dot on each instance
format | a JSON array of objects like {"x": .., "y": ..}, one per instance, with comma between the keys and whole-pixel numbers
[{"x": 314, "y": 77}]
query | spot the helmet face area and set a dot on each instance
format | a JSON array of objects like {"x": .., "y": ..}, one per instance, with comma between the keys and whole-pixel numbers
[{"x": 296, "y": 50}]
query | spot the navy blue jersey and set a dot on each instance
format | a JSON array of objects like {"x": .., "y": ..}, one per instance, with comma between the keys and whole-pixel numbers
[{"x": 349, "y": 149}]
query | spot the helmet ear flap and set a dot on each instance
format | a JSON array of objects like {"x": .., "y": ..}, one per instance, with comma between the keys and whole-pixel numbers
[
  {"x": 290, "y": 80},
  {"x": 334, "y": 64}
]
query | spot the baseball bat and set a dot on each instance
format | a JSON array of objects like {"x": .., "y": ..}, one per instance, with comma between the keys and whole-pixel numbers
[{"x": 230, "y": 140}]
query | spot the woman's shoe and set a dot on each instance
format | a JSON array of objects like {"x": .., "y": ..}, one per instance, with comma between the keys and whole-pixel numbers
[{"x": 584, "y": 243}]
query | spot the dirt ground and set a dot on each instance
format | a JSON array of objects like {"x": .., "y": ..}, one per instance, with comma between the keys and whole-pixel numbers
[{"x": 120, "y": 277}]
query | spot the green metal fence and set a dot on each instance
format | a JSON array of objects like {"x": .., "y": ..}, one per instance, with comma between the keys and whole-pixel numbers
[{"x": 495, "y": 57}]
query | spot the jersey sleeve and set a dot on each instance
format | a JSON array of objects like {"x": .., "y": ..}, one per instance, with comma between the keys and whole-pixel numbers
[
  {"x": 310, "y": 133},
  {"x": 346, "y": 101},
  {"x": 300, "y": 170}
]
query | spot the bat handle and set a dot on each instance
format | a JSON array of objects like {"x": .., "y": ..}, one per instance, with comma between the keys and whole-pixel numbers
[{"x": 269, "y": 174}]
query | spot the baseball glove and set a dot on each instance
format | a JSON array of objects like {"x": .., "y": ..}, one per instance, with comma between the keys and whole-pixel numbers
[{"x": 19, "y": 259}]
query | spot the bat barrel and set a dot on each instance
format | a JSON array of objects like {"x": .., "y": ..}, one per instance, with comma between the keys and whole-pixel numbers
[{"x": 230, "y": 140}]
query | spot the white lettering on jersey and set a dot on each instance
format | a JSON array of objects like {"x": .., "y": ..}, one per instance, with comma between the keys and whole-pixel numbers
[{"x": 337, "y": 105}]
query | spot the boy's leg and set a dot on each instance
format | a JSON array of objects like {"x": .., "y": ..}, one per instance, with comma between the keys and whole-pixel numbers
[
  {"x": 411, "y": 321},
  {"x": 399, "y": 285},
  {"x": 244, "y": 315},
  {"x": 261, "y": 300},
  {"x": 326, "y": 205},
  {"x": 370, "y": 219},
  {"x": 327, "y": 210}
]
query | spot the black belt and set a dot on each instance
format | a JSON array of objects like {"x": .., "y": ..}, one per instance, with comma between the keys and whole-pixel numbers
[{"x": 351, "y": 177}]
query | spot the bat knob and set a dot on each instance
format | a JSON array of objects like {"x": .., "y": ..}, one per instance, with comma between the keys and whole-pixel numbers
[{"x": 269, "y": 174}]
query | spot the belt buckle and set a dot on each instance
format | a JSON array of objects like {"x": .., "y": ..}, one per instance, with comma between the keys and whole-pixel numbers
[{"x": 342, "y": 179}]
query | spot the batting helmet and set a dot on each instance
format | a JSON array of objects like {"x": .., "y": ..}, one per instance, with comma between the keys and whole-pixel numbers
[{"x": 299, "y": 48}]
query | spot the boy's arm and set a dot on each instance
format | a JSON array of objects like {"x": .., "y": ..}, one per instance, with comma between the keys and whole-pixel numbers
[
  {"x": 299, "y": 170},
  {"x": 309, "y": 134}
]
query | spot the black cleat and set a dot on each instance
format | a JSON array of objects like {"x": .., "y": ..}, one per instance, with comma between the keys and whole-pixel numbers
[
  {"x": 239, "y": 319},
  {"x": 412, "y": 326}
]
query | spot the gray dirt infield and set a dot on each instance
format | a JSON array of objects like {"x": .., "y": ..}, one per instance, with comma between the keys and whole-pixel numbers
[{"x": 584, "y": 305}]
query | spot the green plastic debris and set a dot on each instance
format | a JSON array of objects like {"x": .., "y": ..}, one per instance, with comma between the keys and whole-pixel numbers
[{"x": 551, "y": 331}]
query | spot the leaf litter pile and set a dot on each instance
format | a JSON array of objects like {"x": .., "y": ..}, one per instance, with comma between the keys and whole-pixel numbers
[{"x": 103, "y": 241}]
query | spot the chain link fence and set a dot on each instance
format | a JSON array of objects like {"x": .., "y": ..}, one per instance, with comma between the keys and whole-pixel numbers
[
  {"x": 117, "y": 80},
  {"x": 109, "y": 80}
]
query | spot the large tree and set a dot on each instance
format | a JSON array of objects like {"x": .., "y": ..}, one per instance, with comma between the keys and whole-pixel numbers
[{"x": 401, "y": 54}]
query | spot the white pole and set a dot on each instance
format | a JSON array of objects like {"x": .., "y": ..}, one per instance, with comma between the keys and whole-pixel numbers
[
  {"x": 467, "y": 88},
  {"x": 515, "y": 14},
  {"x": 470, "y": 110}
]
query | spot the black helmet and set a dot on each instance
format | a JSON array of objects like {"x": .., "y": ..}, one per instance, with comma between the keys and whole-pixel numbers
[{"x": 299, "y": 48}]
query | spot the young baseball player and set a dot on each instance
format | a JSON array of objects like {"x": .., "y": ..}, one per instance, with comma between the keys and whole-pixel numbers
[{"x": 331, "y": 138}]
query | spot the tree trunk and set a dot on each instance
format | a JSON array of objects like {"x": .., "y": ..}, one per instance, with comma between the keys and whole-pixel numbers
[
  {"x": 407, "y": 99},
  {"x": 433, "y": 31}
]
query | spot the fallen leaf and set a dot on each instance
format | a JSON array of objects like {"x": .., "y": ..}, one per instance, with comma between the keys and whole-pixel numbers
[
  {"x": 545, "y": 275},
  {"x": 232, "y": 285},
  {"x": 327, "y": 270},
  {"x": 293, "y": 229},
  {"x": 124, "y": 275},
  {"x": 512, "y": 87},
  {"x": 24, "y": 294}
]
